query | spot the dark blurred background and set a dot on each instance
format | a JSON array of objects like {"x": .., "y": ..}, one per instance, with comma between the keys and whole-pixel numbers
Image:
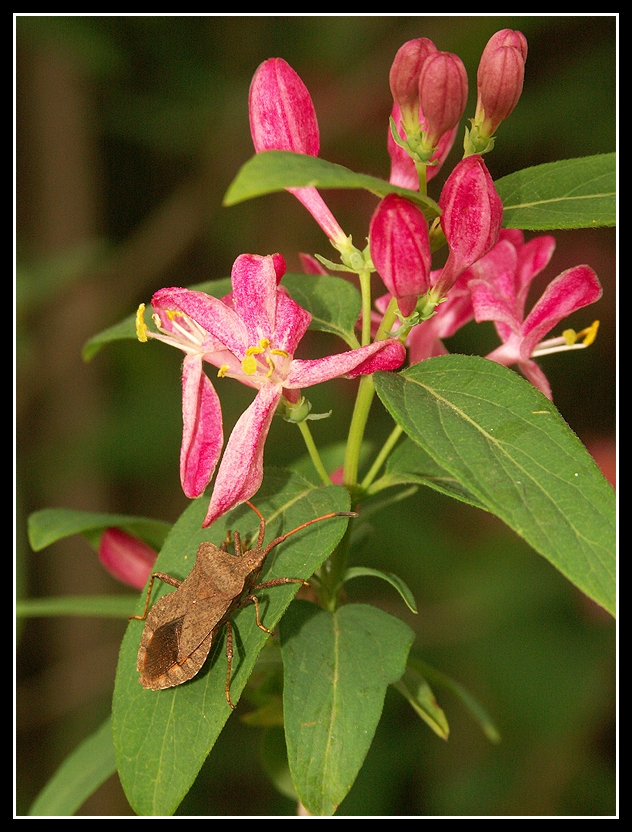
[{"x": 128, "y": 132}]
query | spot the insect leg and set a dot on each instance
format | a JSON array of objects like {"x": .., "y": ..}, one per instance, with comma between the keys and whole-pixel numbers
[
  {"x": 162, "y": 576},
  {"x": 229, "y": 661}
]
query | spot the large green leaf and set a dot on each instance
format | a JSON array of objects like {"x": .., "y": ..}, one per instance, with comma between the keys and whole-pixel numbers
[
  {"x": 337, "y": 667},
  {"x": 49, "y": 525},
  {"x": 409, "y": 464},
  {"x": 275, "y": 170},
  {"x": 508, "y": 446},
  {"x": 163, "y": 737},
  {"x": 79, "y": 776},
  {"x": 333, "y": 302},
  {"x": 573, "y": 193}
]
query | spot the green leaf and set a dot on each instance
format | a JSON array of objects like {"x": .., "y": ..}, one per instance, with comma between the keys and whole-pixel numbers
[
  {"x": 337, "y": 668},
  {"x": 573, "y": 193},
  {"x": 507, "y": 445},
  {"x": 93, "y": 606},
  {"x": 394, "y": 580},
  {"x": 52, "y": 524},
  {"x": 476, "y": 710},
  {"x": 126, "y": 329},
  {"x": 276, "y": 170},
  {"x": 79, "y": 776},
  {"x": 418, "y": 692},
  {"x": 333, "y": 302},
  {"x": 163, "y": 737},
  {"x": 122, "y": 331},
  {"x": 409, "y": 463}
]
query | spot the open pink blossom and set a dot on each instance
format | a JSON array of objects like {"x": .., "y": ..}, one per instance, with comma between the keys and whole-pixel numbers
[
  {"x": 499, "y": 284},
  {"x": 251, "y": 335},
  {"x": 282, "y": 117},
  {"x": 425, "y": 340}
]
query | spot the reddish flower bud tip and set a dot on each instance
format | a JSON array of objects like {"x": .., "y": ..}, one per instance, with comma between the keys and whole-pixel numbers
[
  {"x": 405, "y": 72},
  {"x": 127, "y": 558},
  {"x": 400, "y": 250},
  {"x": 500, "y": 79},
  {"x": 507, "y": 37},
  {"x": 282, "y": 115},
  {"x": 442, "y": 94}
]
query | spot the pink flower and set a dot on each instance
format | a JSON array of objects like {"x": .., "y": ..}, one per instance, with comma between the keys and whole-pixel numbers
[
  {"x": 499, "y": 284},
  {"x": 499, "y": 79},
  {"x": 282, "y": 117},
  {"x": 471, "y": 218},
  {"x": 425, "y": 340},
  {"x": 400, "y": 250},
  {"x": 251, "y": 335},
  {"x": 127, "y": 558},
  {"x": 442, "y": 94},
  {"x": 404, "y": 78},
  {"x": 403, "y": 170}
]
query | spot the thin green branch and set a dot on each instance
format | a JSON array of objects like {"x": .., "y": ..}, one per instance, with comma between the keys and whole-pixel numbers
[{"x": 313, "y": 452}]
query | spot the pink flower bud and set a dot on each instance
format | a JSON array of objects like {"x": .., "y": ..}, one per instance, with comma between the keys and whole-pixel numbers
[
  {"x": 282, "y": 115},
  {"x": 403, "y": 169},
  {"x": 404, "y": 77},
  {"x": 400, "y": 250},
  {"x": 442, "y": 94},
  {"x": 500, "y": 78},
  {"x": 127, "y": 558},
  {"x": 472, "y": 213}
]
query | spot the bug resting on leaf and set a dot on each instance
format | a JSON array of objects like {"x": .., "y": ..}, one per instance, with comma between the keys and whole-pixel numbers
[{"x": 182, "y": 626}]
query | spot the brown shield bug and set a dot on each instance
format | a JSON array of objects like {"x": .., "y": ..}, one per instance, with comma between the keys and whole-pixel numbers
[{"x": 181, "y": 627}]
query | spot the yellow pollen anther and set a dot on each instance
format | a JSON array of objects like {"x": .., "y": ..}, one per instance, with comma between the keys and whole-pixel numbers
[
  {"x": 249, "y": 363},
  {"x": 222, "y": 371},
  {"x": 589, "y": 334},
  {"x": 280, "y": 352},
  {"x": 141, "y": 326}
]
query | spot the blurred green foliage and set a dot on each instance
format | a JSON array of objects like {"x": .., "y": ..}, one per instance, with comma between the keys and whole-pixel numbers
[{"x": 160, "y": 108}]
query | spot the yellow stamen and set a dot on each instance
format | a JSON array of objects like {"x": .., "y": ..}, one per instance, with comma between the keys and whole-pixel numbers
[
  {"x": 222, "y": 371},
  {"x": 249, "y": 363},
  {"x": 141, "y": 326},
  {"x": 586, "y": 336},
  {"x": 589, "y": 334}
]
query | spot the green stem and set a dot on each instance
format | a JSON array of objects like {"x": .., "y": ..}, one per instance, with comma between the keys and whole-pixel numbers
[
  {"x": 333, "y": 572},
  {"x": 382, "y": 456},
  {"x": 388, "y": 320},
  {"x": 365, "y": 289},
  {"x": 423, "y": 182},
  {"x": 364, "y": 399},
  {"x": 313, "y": 452}
]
